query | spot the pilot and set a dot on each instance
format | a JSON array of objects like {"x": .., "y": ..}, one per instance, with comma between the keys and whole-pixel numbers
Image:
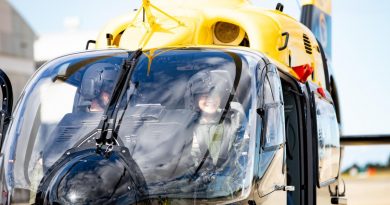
[
  {"x": 99, "y": 103},
  {"x": 97, "y": 86},
  {"x": 95, "y": 91},
  {"x": 210, "y": 91}
]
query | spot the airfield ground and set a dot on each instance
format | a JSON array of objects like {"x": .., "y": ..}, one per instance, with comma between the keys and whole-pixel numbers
[{"x": 368, "y": 190}]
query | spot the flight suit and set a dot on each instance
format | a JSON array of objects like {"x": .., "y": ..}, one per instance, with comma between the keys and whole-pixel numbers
[{"x": 215, "y": 137}]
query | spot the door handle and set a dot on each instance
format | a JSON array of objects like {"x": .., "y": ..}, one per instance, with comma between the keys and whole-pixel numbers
[
  {"x": 284, "y": 188},
  {"x": 339, "y": 200}
]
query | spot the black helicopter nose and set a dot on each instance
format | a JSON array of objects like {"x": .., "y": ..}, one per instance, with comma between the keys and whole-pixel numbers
[{"x": 88, "y": 177}]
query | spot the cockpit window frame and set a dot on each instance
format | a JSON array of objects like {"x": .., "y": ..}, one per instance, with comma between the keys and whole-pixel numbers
[
  {"x": 326, "y": 98},
  {"x": 264, "y": 107},
  {"x": 249, "y": 134}
]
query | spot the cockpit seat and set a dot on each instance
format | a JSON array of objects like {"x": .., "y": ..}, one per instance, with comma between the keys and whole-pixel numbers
[
  {"x": 156, "y": 138},
  {"x": 69, "y": 131}
]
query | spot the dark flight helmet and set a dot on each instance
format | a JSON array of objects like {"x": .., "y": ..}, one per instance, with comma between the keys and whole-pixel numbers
[
  {"x": 208, "y": 82},
  {"x": 98, "y": 77}
]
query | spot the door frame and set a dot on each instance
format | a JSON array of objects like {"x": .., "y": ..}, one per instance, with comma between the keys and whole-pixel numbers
[{"x": 306, "y": 142}]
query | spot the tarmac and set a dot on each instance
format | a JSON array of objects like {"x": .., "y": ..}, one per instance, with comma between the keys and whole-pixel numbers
[{"x": 373, "y": 190}]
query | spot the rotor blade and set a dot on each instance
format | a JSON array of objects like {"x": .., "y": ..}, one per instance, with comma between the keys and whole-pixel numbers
[{"x": 365, "y": 139}]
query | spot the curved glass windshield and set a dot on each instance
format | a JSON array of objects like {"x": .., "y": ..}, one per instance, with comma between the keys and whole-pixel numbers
[
  {"x": 45, "y": 125},
  {"x": 186, "y": 122},
  {"x": 184, "y": 119}
]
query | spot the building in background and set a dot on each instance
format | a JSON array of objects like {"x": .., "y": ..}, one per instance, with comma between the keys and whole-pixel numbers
[
  {"x": 16, "y": 47},
  {"x": 56, "y": 44}
]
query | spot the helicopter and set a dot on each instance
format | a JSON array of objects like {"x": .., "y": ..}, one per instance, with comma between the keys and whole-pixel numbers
[{"x": 182, "y": 102}]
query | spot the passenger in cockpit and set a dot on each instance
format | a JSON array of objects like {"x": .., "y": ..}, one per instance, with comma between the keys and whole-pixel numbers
[{"x": 217, "y": 118}]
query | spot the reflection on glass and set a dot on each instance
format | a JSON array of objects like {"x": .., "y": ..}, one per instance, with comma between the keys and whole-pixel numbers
[
  {"x": 328, "y": 140},
  {"x": 184, "y": 120},
  {"x": 185, "y": 109},
  {"x": 64, "y": 101}
]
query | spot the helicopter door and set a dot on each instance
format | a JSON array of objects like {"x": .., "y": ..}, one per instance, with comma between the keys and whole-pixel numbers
[
  {"x": 5, "y": 112},
  {"x": 6, "y": 105},
  {"x": 272, "y": 149},
  {"x": 326, "y": 144},
  {"x": 326, "y": 135}
]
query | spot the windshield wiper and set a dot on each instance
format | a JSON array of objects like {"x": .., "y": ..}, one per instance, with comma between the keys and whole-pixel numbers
[{"x": 107, "y": 123}]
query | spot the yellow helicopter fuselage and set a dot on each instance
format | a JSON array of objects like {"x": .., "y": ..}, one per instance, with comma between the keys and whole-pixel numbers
[{"x": 157, "y": 24}]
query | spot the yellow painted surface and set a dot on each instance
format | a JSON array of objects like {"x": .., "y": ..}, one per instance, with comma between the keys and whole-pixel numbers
[{"x": 187, "y": 23}]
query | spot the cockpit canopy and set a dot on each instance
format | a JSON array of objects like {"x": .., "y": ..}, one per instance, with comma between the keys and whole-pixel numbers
[{"x": 180, "y": 105}]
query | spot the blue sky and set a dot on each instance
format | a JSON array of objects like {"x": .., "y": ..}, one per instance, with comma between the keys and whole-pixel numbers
[{"x": 361, "y": 40}]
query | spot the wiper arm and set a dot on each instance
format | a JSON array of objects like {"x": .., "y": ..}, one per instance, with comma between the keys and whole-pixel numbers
[{"x": 107, "y": 123}]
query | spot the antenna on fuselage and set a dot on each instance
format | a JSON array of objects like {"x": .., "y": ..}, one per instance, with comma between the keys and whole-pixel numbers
[{"x": 148, "y": 18}]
